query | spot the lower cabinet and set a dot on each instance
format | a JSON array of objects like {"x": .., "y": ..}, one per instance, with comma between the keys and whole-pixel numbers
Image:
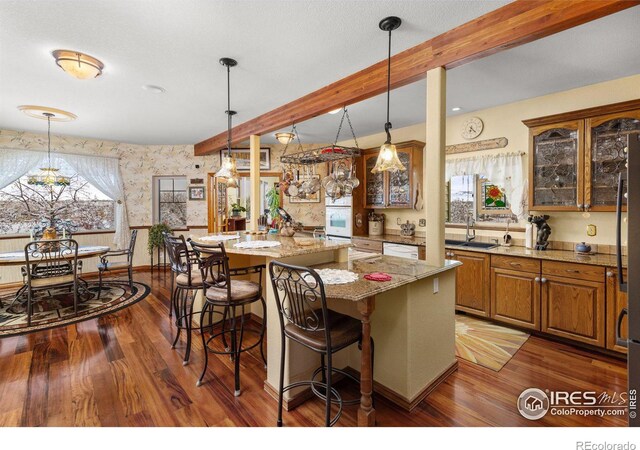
[
  {"x": 574, "y": 309},
  {"x": 515, "y": 297},
  {"x": 616, "y": 301},
  {"x": 472, "y": 282}
]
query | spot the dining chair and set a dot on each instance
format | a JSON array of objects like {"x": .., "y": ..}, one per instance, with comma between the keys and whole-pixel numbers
[
  {"x": 51, "y": 264},
  {"x": 105, "y": 265},
  {"x": 222, "y": 290},
  {"x": 305, "y": 318}
]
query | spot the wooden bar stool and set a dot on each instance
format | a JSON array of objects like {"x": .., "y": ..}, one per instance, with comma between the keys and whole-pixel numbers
[
  {"x": 220, "y": 290},
  {"x": 305, "y": 319}
]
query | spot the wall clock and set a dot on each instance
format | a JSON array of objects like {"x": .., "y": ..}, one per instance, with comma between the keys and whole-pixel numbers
[{"x": 471, "y": 128}]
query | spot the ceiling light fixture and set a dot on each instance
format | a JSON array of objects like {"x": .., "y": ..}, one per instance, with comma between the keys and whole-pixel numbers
[
  {"x": 335, "y": 111},
  {"x": 48, "y": 175},
  {"x": 388, "y": 157},
  {"x": 456, "y": 109},
  {"x": 78, "y": 65},
  {"x": 228, "y": 168},
  {"x": 284, "y": 138}
]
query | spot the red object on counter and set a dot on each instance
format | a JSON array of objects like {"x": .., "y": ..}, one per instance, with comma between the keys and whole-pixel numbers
[{"x": 378, "y": 276}]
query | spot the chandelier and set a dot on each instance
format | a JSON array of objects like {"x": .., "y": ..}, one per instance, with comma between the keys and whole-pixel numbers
[
  {"x": 228, "y": 168},
  {"x": 48, "y": 176}
]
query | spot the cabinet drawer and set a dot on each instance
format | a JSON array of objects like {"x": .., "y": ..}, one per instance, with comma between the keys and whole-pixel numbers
[
  {"x": 367, "y": 245},
  {"x": 573, "y": 270},
  {"x": 514, "y": 263}
]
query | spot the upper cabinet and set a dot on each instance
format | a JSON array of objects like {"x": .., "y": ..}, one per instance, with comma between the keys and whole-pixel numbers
[
  {"x": 394, "y": 190},
  {"x": 575, "y": 157}
]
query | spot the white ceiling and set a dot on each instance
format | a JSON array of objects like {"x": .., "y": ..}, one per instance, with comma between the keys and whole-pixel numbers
[{"x": 285, "y": 49}]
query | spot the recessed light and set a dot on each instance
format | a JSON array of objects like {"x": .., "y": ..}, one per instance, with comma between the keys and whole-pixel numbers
[
  {"x": 456, "y": 108},
  {"x": 154, "y": 89},
  {"x": 335, "y": 111},
  {"x": 44, "y": 113}
]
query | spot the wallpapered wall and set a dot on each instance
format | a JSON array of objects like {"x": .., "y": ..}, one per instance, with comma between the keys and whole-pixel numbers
[{"x": 140, "y": 163}]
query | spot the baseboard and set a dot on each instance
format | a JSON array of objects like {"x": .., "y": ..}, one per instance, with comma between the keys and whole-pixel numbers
[{"x": 401, "y": 401}]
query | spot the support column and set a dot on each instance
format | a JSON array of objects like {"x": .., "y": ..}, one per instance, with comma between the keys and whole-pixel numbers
[
  {"x": 434, "y": 165},
  {"x": 254, "y": 172}
]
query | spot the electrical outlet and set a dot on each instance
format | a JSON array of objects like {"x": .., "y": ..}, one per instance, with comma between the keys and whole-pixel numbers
[
  {"x": 592, "y": 230},
  {"x": 398, "y": 221},
  {"x": 422, "y": 222}
]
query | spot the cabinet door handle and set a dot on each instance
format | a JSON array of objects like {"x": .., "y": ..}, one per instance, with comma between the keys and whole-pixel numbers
[
  {"x": 514, "y": 264},
  {"x": 543, "y": 280},
  {"x": 609, "y": 274},
  {"x": 587, "y": 206},
  {"x": 572, "y": 270},
  {"x": 580, "y": 206},
  {"x": 537, "y": 279}
]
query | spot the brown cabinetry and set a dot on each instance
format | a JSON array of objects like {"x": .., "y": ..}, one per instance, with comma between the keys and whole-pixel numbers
[
  {"x": 393, "y": 190},
  {"x": 575, "y": 157},
  {"x": 367, "y": 245},
  {"x": 472, "y": 282},
  {"x": 616, "y": 301},
  {"x": 515, "y": 291}
]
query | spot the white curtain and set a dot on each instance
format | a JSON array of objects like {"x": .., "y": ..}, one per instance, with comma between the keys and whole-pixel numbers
[
  {"x": 505, "y": 170},
  {"x": 104, "y": 175},
  {"x": 16, "y": 163}
]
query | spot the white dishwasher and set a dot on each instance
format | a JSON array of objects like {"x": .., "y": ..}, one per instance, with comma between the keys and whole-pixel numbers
[{"x": 400, "y": 250}]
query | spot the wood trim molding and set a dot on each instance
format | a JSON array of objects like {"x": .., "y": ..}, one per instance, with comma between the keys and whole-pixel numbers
[
  {"x": 583, "y": 113},
  {"x": 88, "y": 233},
  {"x": 514, "y": 24}
]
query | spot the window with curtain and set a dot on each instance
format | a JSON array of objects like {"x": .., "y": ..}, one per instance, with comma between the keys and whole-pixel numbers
[
  {"x": 170, "y": 201},
  {"x": 78, "y": 206}
]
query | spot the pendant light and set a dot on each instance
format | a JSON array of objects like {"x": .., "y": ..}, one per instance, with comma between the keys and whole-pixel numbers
[
  {"x": 48, "y": 175},
  {"x": 388, "y": 157},
  {"x": 228, "y": 168}
]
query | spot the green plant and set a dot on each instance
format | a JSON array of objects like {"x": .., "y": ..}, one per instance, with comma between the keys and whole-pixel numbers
[
  {"x": 238, "y": 207},
  {"x": 156, "y": 239},
  {"x": 273, "y": 200}
]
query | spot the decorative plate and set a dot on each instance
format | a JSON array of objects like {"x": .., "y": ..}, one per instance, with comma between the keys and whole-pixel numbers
[
  {"x": 257, "y": 244},
  {"x": 335, "y": 276},
  {"x": 219, "y": 237}
]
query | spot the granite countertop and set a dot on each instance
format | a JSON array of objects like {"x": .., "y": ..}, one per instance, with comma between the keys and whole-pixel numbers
[
  {"x": 290, "y": 246},
  {"x": 401, "y": 273},
  {"x": 598, "y": 259},
  {"x": 395, "y": 238}
]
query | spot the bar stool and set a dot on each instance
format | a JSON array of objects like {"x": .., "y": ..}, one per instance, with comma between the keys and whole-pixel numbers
[
  {"x": 187, "y": 282},
  {"x": 305, "y": 319},
  {"x": 220, "y": 290}
]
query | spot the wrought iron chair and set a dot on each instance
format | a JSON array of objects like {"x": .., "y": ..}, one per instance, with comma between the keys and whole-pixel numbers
[
  {"x": 232, "y": 295},
  {"x": 185, "y": 281},
  {"x": 51, "y": 264},
  {"x": 305, "y": 319},
  {"x": 105, "y": 265}
]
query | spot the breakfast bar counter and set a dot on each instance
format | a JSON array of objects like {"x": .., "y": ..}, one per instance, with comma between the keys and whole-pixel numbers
[{"x": 413, "y": 327}]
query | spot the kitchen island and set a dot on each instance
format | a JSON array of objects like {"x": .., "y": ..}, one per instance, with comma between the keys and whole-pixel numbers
[{"x": 413, "y": 328}]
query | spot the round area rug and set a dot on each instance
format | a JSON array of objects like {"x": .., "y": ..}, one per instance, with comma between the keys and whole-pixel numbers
[{"x": 54, "y": 308}]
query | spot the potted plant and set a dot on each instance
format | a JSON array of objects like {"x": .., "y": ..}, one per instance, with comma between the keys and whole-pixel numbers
[
  {"x": 237, "y": 208},
  {"x": 273, "y": 200},
  {"x": 156, "y": 238}
]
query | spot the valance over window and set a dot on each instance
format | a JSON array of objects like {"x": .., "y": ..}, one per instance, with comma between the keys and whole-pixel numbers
[
  {"x": 102, "y": 172},
  {"x": 505, "y": 170}
]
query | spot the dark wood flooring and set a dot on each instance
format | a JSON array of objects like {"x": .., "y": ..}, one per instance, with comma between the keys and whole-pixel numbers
[{"x": 120, "y": 370}]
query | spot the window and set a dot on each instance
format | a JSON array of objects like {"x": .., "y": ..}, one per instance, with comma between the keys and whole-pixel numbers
[
  {"x": 170, "y": 201},
  {"x": 476, "y": 196},
  {"x": 76, "y": 207}
]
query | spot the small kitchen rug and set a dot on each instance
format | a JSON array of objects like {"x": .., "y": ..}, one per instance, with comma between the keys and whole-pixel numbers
[
  {"x": 485, "y": 343},
  {"x": 54, "y": 308}
]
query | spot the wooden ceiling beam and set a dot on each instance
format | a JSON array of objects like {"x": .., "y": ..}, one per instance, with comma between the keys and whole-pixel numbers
[{"x": 517, "y": 23}]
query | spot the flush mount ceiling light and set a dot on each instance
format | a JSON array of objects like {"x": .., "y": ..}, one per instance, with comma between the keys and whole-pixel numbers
[
  {"x": 48, "y": 176},
  {"x": 284, "y": 138},
  {"x": 46, "y": 113},
  {"x": 388, "y": 157},
  {"x": 228, "y": 168},
  {"x": 154, "y": 89},
  {"x": 78, "y": 65},
  {"x": 335, "y": 111}
]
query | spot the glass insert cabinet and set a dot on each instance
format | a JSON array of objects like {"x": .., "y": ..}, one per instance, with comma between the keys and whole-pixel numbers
[{"x": 575, "y": 158}]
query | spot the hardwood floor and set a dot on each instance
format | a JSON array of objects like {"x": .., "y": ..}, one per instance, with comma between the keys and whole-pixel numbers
[{"x": 120, "y": 370}]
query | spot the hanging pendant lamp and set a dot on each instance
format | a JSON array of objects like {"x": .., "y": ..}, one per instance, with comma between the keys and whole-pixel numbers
[
  {"x": 228, "y": 168},
  {"x": 388, "y": 160},
  {"x": 48, "y": 175}
]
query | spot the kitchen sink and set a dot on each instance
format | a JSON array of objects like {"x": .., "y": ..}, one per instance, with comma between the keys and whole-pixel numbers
[{"x": 470, "y": 244}]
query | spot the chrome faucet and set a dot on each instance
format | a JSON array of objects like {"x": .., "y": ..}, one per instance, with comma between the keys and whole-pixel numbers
[{"x": 470, "y": 222}]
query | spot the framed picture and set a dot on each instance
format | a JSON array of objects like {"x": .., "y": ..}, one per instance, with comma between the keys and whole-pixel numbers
[
  {"x": 315, "y": 198},
  {"x": 196, "y": 193},
  {"x": 493, "y": 199},
  {"x": 243, "y": 155}
]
